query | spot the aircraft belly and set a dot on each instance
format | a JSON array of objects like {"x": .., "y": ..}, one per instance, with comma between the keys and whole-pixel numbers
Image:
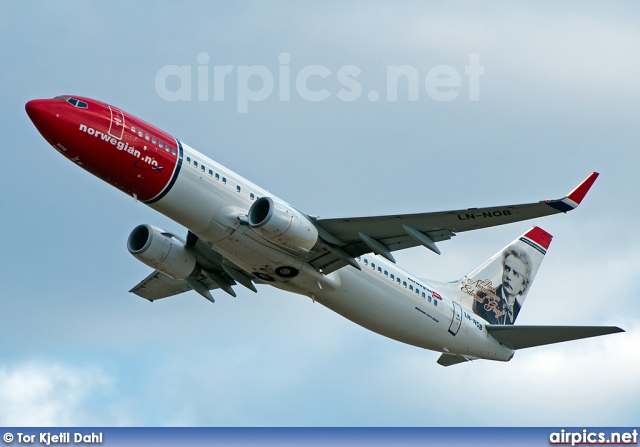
[{"x": 378, "y": 305}]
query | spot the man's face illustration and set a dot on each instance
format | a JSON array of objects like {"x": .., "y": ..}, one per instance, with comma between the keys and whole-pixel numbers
[{"x": 513, "y": 275}]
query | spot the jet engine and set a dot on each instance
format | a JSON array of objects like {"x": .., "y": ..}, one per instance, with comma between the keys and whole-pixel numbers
[
  {"x": 281, "y": 224},
  {"x": 161, "y": 251}
]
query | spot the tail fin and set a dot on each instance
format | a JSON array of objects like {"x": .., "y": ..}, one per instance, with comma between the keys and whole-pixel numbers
[{"x": 497, "y": 289}]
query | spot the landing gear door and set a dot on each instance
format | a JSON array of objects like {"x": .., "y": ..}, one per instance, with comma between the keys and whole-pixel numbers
[
  {"x": 116, "y": 127},
  {"x": 456, "y": 321}
]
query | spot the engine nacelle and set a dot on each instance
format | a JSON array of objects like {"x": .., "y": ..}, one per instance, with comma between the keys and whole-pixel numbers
[
  {"x": 161, "y": 251},
  {"x": 279, "y": 223}
]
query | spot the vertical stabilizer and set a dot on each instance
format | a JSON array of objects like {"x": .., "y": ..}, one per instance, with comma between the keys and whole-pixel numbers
[{"x": 497, "y": 289}]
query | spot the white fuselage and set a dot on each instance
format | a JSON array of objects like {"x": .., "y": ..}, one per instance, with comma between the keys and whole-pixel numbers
[{"x": 207, "y": 198}]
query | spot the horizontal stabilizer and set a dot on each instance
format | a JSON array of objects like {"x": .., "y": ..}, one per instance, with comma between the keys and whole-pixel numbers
[
  {"x": 450, "y": 359},
  {"x": 520, "y": 337}
]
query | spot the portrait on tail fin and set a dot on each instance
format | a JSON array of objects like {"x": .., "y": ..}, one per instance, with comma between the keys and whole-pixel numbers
[
  {"x": 498, "y": 287},
  {"x": 503, "y": 304}
]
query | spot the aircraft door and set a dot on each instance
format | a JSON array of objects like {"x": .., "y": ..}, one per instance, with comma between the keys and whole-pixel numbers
[
  {"x": 456, "y": 321},
  {"x": 116, "y": 127}
]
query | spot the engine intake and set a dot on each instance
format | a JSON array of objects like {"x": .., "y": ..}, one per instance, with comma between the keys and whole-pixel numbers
[
  {"x": 281, "y": 224},
  {"x": 161, "y": 251}
]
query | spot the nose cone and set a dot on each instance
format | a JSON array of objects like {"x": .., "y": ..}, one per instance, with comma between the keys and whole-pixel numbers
[
  {"x": 40, "y": 111},
  {"x": 42, "y": 114}
]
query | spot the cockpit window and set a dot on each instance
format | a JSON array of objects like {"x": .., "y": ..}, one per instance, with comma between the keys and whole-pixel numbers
[{"x": 73, "y": 101}]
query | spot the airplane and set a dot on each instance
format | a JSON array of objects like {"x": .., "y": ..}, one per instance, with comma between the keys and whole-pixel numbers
[{"x": 240, "y": 234}]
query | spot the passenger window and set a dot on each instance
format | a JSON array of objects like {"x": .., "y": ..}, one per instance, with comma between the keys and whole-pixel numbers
[
  {"x": 417, "y": 291},
  {"x": 386, "y": 273},
  {"x": 217, "y": 176},
  {"x": 373, "y": 266},
  {"x": 133, "y": 129},
  {"x": 429, "y": 298},
  {"x": 379, "y": 269},
  {"x": 423, "y": 295},
  {"x": 398, "y": 280},
  {"x": 238, "y": 188},
  {"x": 140, "y": 133},
  {"x": 366, "y": 262},
  {"x": 153, "y": 140},
  {"x": 224, "y": 180},
  {"x": 188, "y": 159},
  {"x": 393, "y": 277},
  {"x": 161, "y": 144},
  {"x": 411, "y": 288},
  {"x": 168, "y": 147},
  {"x": 173, "y": 151},
  {"x": 253, "y": 197},
  {"x": 210, "y": 172},
  {"x": 146, "y": 136},
  {"x": 195, "y": 163},
  {"x": 435, "y": 303},
  {"x": 404, "y": 283},
  {"x": 203, "y": 168}
]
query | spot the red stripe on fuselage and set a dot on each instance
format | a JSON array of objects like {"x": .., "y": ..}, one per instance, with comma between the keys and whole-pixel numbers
[{"x": 100, "y": 139}]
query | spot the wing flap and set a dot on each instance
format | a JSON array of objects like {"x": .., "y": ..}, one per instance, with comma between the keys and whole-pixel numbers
[{"x": 520, "y": 337}]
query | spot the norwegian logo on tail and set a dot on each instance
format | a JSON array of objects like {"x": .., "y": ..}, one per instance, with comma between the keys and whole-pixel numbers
[{"x": 497, "y": 289}]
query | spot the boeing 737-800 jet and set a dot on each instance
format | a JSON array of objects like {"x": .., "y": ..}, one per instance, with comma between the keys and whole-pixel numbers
[{"x": 238, "y": 233}]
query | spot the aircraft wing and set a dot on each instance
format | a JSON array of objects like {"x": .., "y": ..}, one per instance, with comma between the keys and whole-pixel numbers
[
  {"x": 158, "y": 285},
  {"x": 355, "y": 236}
]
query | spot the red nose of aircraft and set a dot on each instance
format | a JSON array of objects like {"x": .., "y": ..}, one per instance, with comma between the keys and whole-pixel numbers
[{"x": 41, "y": 112}]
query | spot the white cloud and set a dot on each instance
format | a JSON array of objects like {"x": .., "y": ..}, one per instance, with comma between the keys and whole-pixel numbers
[
  {"x": 41, "y": 394},
  {"x": 591, "y": 382},
  {"x": 576, "y": 51}
]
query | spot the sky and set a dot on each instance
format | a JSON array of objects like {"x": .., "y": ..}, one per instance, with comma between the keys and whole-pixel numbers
[{"x": 309, "y": 114}]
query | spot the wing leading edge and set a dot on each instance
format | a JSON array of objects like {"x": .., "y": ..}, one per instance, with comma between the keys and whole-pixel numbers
[{"x": 356, "y": 236}]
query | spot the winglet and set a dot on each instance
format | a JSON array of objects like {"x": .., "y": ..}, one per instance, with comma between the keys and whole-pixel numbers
[
  {"x": 582, "y": 189},
  {"x": 575, "y": 197}
]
